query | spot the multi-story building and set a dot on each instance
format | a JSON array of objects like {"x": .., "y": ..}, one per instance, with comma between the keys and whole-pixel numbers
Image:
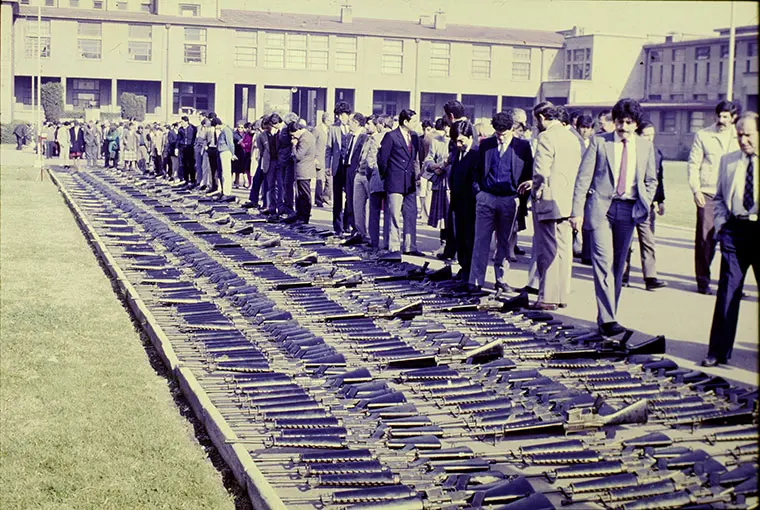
[
  {"x": 242, "y": 64},
  {"x": 685, "y": 79}
]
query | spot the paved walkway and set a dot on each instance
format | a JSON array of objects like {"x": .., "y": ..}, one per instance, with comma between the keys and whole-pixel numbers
[{"x": 677, "y": 312}]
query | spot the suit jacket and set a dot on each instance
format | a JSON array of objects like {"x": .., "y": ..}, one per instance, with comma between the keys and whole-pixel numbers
[
  {"x": 704, "y": 158},
  {"x": 659, "y": 194},
  {"x": 595, "y": 186},
  {"x": 332, "y": 147},
  {"x": 320, "y": 136},
  {"x": 462, "y": 179},
  {"x": 77, "y": 139},
  {"x": 396, "y": 164},
  {"x": 578, "y": 137},
  {"x": 285, "y": 159},
  {"x": 305, "y": 152},
  {"x": 522, "y": 161},
  {"x": 356, "y": 152},
  {"x": 555, "y": 169},
  {"x": 726, "y": 188},
  {"x": 265, "y": 156}
]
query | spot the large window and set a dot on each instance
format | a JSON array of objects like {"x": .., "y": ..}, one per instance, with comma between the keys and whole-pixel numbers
[
  {"x": 345, "y": 53},
  {"x": 31, "y": 50},
  {"x": 195, "y": 45},
  {"x": 85, "y": 93},
  {"x": 668, "y": 122},
  {"x": 702, "y": 52},
  {"x": 578, "y": 64},
  {"x": 679, "y": 54},
  {"x": 481, "y": 61},
  {"x": 192, "y": 95},
  {"x": 724, "y": 51},
  {"x": 655, "y": 55},
  {"x": 393, "y": 56},
  {"x": 696, "y": 121},
  {"x": 191, "y": 10},
  {"x": 140, "y": 43},
  {"x": 296, "y": 51},
  {"x": 521, "y": 64},
  {"x": 440, "y": 58},
  {"x": 89, "y": 40},
  {"x": 751, "y": 49},
  {"x": 246, "y": 48}
]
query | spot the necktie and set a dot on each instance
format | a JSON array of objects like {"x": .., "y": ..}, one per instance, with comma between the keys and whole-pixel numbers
[
  {"x": 620, "y": 191},
  {"x": 409, "y": 142},
  {"x": 215, "y": 138},
  {"x": 501, "y": 149},
  {"x": 350, "y": 148},
  {"x": 749, "y": 187}
]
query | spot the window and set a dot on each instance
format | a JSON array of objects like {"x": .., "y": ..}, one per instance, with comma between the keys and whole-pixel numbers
[
  {"x": 146, "y": 6},
  {"x": 700, "y": 97},
  {"x": 696, "y": 121},
  {"x": 661, "y": 72},
  {"x": 578, "y": 65},
  {"x": 192, "y": 95},
  {"x": 724, "y": 51},
  {"x": 191, "y": 10},
  {"x": 393, "y": 56},
  {"x": 679, "y": 54},
  {"x": 720, "y": 72},
  {"x": 31, "y": 50},
  {"x": 51, "y": 3},
  {"x": 655, "y": 56},
  {"x": 440, "y": 58},
  {"x": 747, "y": 68},
  {"x": 676, "y": 97},
  {"x": 696, "y": 72},
  {"x": 655, "y": 97},
  {"x": 345, "y": 53},
  {"x": 140, "y": 44},
  {"x": 751, "y": 49},
  {"x": 74, "y": 3},
  {"x": 195, "y": 45},
  {"x": 481, "y": 61},
  {"x": 296, "y": 51},
  {"x": 668, "y": 122},
  {"x": 85, "y": 93},
  {"x": 96, "y": 4},
  {"x": 672, "y": 73},
  {"x": 651, "y": 74},
  {"x": 89, "y": 40},
  {"x": 702, "y": 52},
  {"x": 707, "y": 73},
  {"x": 521, "y": 63},
  {"x": 122, "y": 6},
  {"x": 683, "y": 73},
  {"x": 246, "y": 48}
]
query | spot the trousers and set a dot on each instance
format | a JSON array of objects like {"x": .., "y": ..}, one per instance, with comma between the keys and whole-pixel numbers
[
  {"x": 402, "y": 211},
  {"x": 303, "y": 199},
  {"x": 554, "y": 244},
  {"x": 704, "y": 243},
  {"x": 492, "y": 214},
  {"x": 361, "y": 197},
  {"x": 377, "y": 203}
]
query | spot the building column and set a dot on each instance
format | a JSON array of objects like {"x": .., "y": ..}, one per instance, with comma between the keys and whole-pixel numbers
[
  {"x": 330, "y": 99},
  {"x": 362, "y": 100},
  {"x": 64, "y": 84},
  {"x": 498, "y": 103},
  {"x": 114, "y": 97},
  {"x": 259, "y": 101},
  {"x": 7, "y": 99},
  {"x": 167, "y": 88},
  {"x": 224, "y": 101},
  {"x": 459, "y": 97}
]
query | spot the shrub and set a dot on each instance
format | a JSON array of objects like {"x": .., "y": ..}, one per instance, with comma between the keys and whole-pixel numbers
[
  {"x": 132, "y": 106},
  {"x": 52, "y": 101},
  {"x": 110, "y": 117}
]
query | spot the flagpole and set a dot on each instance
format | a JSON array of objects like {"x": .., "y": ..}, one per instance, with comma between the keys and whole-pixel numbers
[
  {"x": 39, "y": 85},
  {"x": 731, "y": 51}
]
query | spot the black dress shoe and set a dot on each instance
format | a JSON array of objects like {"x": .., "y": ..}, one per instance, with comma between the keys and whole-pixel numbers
[
  {"x": 354, "y": 240},
  {"x": 519, "y": 251},
  {"x": 500, "y": 286},
  {"x": 611, "y": 329},
  {"x": 654, "y": 283},
  {"x": 248, "y": 205},
  {"x": 709, "y": 361},
  {"x": 705, "y": 290},
  {"x": 529, "y": 290},
  {"x": 415, "y": 253},
  {"x": 290, "y": 219},
  {"x": 586, "y": 262}
]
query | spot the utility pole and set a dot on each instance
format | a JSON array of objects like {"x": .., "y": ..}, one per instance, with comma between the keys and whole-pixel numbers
[
  {"x": 731, "y": 51},
  {"x": 39, "y": 84}
]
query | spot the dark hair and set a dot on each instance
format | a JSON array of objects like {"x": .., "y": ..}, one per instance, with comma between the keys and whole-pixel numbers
[
  {"x": 749, "y": 116},
  {"x": 562, "y": 115},
  {"x": 547, "y": 110},
  {"x": 342, "y": 107},
  {"x": 175, "y": 124},
  {"x": 627, "y": 108},
  {"x": 293, "y": 127},
  {"x": 211, "y": 115},
  {"x": 185, "y": 118},
  {"x": 584, "y": 121},
  {"x": 266, "y": 123},
  {"x": 359, "y": 118},
  {"x": 645, "y": 123},
  {"x": 275, "y": 119},
  {"x": 463, "y": 128},
  {"x": 405, "y": 115},
  {"x": 454, "y": 108},
  {"x": 603, "y": 114},
  {"x": 574, "y": 116},
  {"x": 503, "y": 121},
  {"x": 733, "y": 107},
  {"x": 216, "y": 121},
  {"x": 385, "y": 121},
  {"x": 439, "y": 124},
  {"x": 426, "y": 124}
]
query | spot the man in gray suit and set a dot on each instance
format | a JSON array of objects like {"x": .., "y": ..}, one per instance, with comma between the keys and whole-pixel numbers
[
  {"x": 616, "y": 182},
  {"x": 323, "y": 189},
  {"x": 555, "y": 168},
  {"x": 303, "y": 145}
]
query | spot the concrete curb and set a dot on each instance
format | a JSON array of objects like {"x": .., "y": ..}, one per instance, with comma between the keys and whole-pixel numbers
[{"x": 224, "y": 439}]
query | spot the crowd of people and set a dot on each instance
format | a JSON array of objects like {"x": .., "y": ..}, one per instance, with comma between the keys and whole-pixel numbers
[{"x": 590, "y": 182}]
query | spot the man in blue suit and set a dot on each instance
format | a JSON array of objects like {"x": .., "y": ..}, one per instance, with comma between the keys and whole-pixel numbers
[{"x": 614, "y": 191}]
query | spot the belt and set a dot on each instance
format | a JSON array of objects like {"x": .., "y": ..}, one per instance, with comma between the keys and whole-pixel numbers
[
  {"x": 627, "y": 200},
  {"x": 744, "y": 217}
]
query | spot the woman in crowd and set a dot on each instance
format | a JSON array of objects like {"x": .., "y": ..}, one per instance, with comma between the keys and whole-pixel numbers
[
  {"x": 63, "y": 137},
  {"x": 129, "y": 147},
  {"x": 112, "y": 146}
]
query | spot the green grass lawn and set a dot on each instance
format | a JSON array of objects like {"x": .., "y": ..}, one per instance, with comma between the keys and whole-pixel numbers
[
  {"x": 85, "y": 422},
  {"x": 679, "y": 202}
]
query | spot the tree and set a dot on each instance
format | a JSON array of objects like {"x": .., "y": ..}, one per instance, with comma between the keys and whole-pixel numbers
[
  {"x": 132, "y": 106},
  {"x": 52, "y": 100}
]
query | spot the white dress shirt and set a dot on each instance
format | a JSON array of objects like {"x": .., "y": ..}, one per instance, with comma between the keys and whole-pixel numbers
[
  {"x": 630, "y": 173},
  {"x": 740, "y": 179}
]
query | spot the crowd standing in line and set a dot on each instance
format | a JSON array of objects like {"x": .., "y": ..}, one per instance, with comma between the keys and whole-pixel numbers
[{"x": 590, "y": 188}]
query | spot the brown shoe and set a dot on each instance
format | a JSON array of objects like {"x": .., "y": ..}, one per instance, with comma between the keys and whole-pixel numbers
[{"x": 538, "y": 305}]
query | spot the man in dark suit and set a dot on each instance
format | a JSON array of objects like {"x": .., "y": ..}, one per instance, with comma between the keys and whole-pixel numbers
[
  {"x": 358, "y": 136},
  {"x": 339, "y": 139},
  {"x": 505, "y": 163},
  {"x": 614, "y": 191},
  {"x": 737, "y": 229},
  {"x": 398, "y": 164},
  {"x": 463, "y": 171},
  {"x": 303, "y": 145},
  {"x": 185, "y": 144}
]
